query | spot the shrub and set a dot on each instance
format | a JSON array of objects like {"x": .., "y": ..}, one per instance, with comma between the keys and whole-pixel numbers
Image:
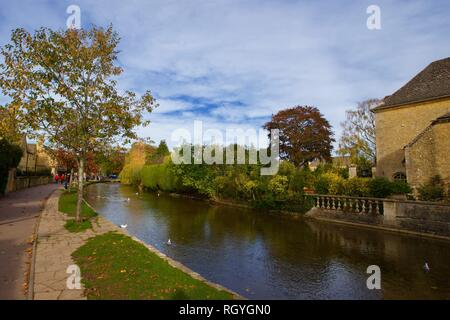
[
  {"x": 278, "y": 185},
  {"x": 433, "y": 190},
  {"x": 159, "y": 177},
  {"x": 322, "y": 185},
  {"x": 10, "y": 155},
  {"x": 329, "y": 183},
  {"x": 380, "y": 187},
  {"x": 357, "y": 187},
  {"x": 400, "y": 187}
]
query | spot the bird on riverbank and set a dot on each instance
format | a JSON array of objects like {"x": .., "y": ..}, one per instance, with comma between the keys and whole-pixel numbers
[
  {"x": 128, "y": 200},
  {"x": 123, "y": 226},
  {"x": 426, "y": 267},
  {"x": 137, "y": 193},
  {"x": 169, "y": 242}
]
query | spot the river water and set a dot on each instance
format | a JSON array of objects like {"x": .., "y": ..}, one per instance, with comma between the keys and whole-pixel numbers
[{"x": 266, "y": 256}]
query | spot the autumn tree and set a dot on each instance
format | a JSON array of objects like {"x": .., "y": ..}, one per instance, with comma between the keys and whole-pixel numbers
[
  {"x": 10, "y": 123},
  {"x": 111, "y": 160},
  {"x": 358, "y": 135},
  {"x": 158, "y": 155},
  {"x": 65, "y": 83},
  {"x": 304, "y": 133}
]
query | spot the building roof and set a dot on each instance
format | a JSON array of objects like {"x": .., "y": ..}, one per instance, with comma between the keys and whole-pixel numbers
[{"x": 433, "y": 82}]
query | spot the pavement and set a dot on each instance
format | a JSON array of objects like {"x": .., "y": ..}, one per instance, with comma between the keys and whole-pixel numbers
[
  {"x": 19, "y": 212},
  {"x": 53, "y": 268}
]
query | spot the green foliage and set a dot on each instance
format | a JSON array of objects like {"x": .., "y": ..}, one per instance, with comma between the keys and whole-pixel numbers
[
  {"x": 115, "y": 267},
  {"x": 357, "y": 187},
  {"x": 10, "y": 155},
  {"x": 160, "y": 153},
  {"x": 239, "y": 182},
  {"x": 400, "y": 187},
  {"x": 159, "y": 177},
  {"x": 433, "y": 190},
  {"x": 380, "y": 187}
]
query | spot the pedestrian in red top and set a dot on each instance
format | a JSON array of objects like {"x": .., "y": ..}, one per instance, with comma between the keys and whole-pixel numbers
[
  {"x": 62, "y": 178},
  {"x": 56, "y": 178}
]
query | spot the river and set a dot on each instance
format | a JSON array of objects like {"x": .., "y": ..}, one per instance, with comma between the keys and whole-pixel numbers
[{"x": 267, "y": 256}]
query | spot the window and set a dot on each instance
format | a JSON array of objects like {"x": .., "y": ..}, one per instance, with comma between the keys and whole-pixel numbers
[{"x": 400, "y": 176}]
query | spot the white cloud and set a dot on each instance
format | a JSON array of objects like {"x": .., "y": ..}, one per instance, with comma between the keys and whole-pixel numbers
[{"x": 249, "y": 59}]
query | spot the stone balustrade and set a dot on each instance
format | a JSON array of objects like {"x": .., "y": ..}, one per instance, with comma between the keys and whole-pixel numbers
[{"x": 358, "y": 205}]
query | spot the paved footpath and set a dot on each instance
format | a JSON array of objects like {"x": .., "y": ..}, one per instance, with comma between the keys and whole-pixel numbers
[
  {"x": 19, "y": 212},
  {"x": 54, "y": 252}
]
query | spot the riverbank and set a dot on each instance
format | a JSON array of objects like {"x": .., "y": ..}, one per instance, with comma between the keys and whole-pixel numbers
[
  {"x": 55, "y": 254},
  {"x": 324, "y": 216}
]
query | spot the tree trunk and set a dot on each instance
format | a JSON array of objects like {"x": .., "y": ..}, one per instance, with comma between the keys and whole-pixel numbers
[
  {"x": 80, "y": 189},
  {"x": 71, "y": 178}
]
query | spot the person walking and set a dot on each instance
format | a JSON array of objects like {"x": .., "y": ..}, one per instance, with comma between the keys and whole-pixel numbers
[
  {"x": 63, "y": 178},
  {"x": 56, "y": 178}
]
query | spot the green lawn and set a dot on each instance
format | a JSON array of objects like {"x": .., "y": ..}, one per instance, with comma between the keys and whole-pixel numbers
[
  {"x": 68, "y": 204},
  {"x": 114, "y": 266}
]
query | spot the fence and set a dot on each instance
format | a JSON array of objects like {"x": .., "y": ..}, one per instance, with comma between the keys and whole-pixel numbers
[
  {"x": 348, "y": 204},
  {"x": 417, "y": 216}
]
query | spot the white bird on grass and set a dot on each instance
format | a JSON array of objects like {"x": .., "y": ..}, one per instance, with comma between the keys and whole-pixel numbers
[
  {"x": 123, "y": 226},
  {"x": 426, "y": 267},
  {"x": 169, "y": 242}
]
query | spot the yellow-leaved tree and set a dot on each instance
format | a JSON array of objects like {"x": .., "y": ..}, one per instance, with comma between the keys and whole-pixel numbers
[{"x": 65, "y": 84}]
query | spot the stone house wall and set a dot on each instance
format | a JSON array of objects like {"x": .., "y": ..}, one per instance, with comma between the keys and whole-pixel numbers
[
  {"x": 398, "y": 126},
  {"x": 429, "y": 156}
]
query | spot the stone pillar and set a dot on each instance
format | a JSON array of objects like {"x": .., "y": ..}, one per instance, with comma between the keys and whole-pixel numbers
[
  {"x": 352, "y": 173},
  {"x": 374, "y": 171},
  {"x": 390, "y": 212}
]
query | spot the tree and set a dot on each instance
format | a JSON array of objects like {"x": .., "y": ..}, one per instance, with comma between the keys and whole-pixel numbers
[
  {"x": 305, "y": 135},
  {"x": 112, "y": 160},
  {"x": 10, "y": 155},
  {"x": 65, "y": 84},
  {"x": 10, "y": 123},
  {"x": 358, "y": 137},
  {"x": 159, "y": 154}
]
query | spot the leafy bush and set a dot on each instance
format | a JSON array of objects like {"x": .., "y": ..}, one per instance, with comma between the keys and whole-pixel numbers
[
  {"x": 278, "y": 185},
  {"x": 357, "y": 187},
  {"x": 159, "y": 177},
  {"x": 380, "y": 187},
  {"x": 400, "y": 187},
  {"x": 433, "y": 190},
  {"x": 329, "y": 183},
  {"x": 10, "y": 155}
]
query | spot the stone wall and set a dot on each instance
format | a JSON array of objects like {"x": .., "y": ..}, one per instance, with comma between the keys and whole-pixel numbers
[
  {"x": 19, "y": 183},
  {"x": 424, "y": 217},
  {"x": 409, "y": 216},
  {"x": 429, "y": 156},
  {"x": 397, "y": 127}
]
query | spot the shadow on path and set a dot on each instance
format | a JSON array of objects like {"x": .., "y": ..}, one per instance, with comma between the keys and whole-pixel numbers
[{"x": 18, "y": 215}]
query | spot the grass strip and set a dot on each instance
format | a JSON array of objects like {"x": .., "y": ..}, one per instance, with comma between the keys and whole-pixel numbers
[{"x": 114, "y": 266}]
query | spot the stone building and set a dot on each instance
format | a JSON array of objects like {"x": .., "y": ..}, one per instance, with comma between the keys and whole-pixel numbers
[
  {"x": 34, "y": 159},
  {"x": 413, "y": 128}
]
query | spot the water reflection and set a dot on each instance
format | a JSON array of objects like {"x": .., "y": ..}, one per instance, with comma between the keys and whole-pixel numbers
[{"x": 266, "y": 256}]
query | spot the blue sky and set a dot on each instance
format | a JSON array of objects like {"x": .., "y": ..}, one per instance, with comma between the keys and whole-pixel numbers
[{"x": 234, "y": 63}]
